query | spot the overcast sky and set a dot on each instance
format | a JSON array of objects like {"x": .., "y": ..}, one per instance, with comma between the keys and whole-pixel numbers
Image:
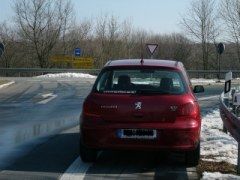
[{"x": 159, "y": 16}]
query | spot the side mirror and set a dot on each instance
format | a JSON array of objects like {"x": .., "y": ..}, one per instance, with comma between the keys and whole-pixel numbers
[{"x": 198, "y": 89}]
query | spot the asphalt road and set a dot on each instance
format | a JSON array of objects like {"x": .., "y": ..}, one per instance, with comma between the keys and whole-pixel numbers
[
  {"x": 39, "y": 136},
  {"x": 32, "y": 109}
]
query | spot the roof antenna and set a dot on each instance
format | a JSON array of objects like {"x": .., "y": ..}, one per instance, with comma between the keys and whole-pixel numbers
[{"x": 142, "y": 61}]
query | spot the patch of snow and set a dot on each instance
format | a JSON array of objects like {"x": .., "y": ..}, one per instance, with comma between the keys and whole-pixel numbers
[
  {"x": 219, "y": 176},
  {"x": 202, "y": 81},
  {"x": 67, "y": 75},
  {"x": 215, "y": 144},
  {"x": 6, "y": 84},
  {"x": 208, "y": 98}
]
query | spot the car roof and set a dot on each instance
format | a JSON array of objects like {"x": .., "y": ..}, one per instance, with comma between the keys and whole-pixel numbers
[{"x": 145, "y": 62}]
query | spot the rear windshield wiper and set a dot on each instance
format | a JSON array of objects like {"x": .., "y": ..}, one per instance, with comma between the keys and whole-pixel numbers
[{"x": 145, "y": 91}]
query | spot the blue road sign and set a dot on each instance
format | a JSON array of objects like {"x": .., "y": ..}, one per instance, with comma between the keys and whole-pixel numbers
[{"x": 77, "y": 52}]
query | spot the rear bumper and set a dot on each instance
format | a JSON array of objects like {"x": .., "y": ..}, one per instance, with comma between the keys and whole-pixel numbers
[{"x": 181, "y": 136}]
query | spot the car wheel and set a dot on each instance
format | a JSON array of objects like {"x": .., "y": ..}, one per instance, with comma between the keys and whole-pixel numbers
[
  {"x": 192, "y": 157},
  {"x": 87, "y": 154}
]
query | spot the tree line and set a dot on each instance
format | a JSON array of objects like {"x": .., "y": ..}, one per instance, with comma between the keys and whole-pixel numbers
[{"x": 43, "y": 28}]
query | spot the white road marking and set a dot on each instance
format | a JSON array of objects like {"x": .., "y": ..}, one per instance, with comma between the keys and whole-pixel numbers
[
  {"x": 208, "y": 97},
  {"x": 76, "y": 171},
  {"x": 47, "y": 95},
  {"x": 6, "y": 84},
  {"x": 47, "y": 98}
]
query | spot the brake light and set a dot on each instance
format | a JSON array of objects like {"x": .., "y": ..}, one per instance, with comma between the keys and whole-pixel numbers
[
  {"x": 90, "y": 111},
  {"x": 189, "y": 109}
]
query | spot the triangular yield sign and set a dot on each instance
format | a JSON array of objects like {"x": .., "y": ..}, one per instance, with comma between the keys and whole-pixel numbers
[{"x": 152, "y": 48}]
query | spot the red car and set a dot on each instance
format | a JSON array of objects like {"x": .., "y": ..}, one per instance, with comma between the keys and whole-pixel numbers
[{"x": 141, "y": 105}]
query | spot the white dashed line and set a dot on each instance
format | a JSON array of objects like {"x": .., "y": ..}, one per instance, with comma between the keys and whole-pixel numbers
[{"x": 76, "y": 171}]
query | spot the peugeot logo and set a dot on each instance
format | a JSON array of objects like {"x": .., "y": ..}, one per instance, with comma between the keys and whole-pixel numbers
[
  {"x": 138, "y": 105},
  {"x": 173, "y": 108}
]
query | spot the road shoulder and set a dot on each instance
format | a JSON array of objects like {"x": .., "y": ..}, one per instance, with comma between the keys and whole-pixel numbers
[{"x": 4, "y": 83}]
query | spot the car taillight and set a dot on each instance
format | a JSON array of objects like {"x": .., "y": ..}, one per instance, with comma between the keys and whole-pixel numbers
[
  {"x": 90, "y": 111},
  {"x": 189, "y": 109}
]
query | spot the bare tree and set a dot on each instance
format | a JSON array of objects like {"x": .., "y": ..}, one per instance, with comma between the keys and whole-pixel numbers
[
  {"x": 79, "y": 36},
  {"x": 126, "y": 37},
  {"x": 42, "y": 22},
  {"x": 9, "y": 38},
  {"x": 68, "y": 22},
  {"x": 107, "y": 33},
  {"x": 200, "y": 23},
  {"x": 101, "y": 36},
  {"x": 139, "y": 39},
  {"x": 181, "y": 48},
  {"x": 230, "y": 13}
]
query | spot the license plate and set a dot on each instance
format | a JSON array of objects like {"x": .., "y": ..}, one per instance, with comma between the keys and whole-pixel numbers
[{"x": 137, "y": 133}]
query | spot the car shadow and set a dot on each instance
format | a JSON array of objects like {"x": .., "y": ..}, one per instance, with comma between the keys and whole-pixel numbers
[
  {"x": 140, "y": 165},
  {"x": 50, "y": 160}
]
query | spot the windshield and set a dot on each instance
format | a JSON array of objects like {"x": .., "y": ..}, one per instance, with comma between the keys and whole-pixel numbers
[{"x": 145, "y": 81}]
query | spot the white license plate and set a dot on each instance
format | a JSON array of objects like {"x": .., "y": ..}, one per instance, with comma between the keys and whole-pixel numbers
[{"x": 137, "y": 133}]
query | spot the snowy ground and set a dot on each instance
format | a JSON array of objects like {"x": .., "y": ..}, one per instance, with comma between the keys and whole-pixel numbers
[
  {"x": 67, "y": 75},
  {"x": 82, "y": 75},
  {"x": 202, "y": 81},
  {"x": 6, "y": 84},
  {"x": 219, "y": 176},
  {"x": 198, "y": 81},
  {"x": 216, "y": 145}
]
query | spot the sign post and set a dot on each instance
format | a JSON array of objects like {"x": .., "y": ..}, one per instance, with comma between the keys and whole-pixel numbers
[
  {"x": 2, "y": 48},
  {"x": 227, "y": 94},
  {"x": 220, "y": 50},
  {"x": 151, "y": 49}
]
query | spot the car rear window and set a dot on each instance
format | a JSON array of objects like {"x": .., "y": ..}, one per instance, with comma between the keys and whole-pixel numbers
[{"x": 142, "y": 81}]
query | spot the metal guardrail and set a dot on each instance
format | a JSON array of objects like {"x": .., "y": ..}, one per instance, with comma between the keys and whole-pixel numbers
[
  {"x": 28, "y": 72},
  {"x": 231, "y": 123},
  {"x": 230, "y": 120}
]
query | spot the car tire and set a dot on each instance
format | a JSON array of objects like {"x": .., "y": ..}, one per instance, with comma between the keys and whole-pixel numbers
[
  {"x": 87, "y": 154},
  {"x": 192, "y": 157}
]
